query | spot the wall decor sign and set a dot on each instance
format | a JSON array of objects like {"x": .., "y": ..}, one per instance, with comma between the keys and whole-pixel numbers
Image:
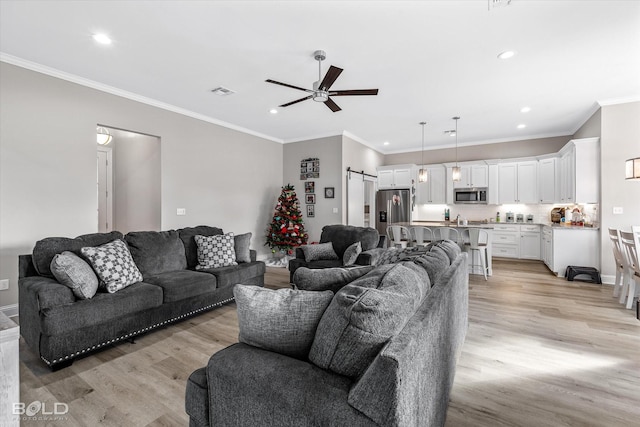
[
  {"x": 309, "y": 168},
  {"x": 310, "y": 199},
  {"x": 309, "y": 187},
  {"x": 329, "y": 192},
  {"x": 311, "y": 211}
]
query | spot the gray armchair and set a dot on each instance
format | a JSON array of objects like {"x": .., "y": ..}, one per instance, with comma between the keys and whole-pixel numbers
[{"x": 341, "y": 236}]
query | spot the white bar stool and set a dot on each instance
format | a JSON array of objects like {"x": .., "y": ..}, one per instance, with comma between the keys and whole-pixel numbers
[
  {"x": 449, "y": 233},
  {"x": 399, "y": 236},
  {"x": 478, "y": 241},
  {"x": 422, "y": 236}
]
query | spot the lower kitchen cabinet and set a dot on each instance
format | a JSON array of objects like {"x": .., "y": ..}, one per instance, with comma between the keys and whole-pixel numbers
[
  {"x": 570, "y": 246},
  {"x": 521, "y": 241}
]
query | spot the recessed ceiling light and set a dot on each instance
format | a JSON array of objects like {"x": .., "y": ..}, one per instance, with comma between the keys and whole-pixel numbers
[
  {"x": 507, "y": 54},
  {"x": 222, "y": 91},
  {"x": 525, "y": 109},
  {"x": 522, "y": 126},
  {"x": 273, "y": 111},
  {"x": 102, "y": 38},
  {"x": 386, "y": 143}
]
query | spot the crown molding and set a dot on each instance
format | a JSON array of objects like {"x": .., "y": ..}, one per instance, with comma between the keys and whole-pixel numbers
[
  {"x": 42, "y": 69},
  {"x": 616, "y": 101}
]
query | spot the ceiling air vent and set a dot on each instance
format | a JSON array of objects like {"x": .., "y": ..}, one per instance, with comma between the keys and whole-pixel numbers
[
  {"x": 222, "y": 91},
  {"x": 497, "y": 3}
]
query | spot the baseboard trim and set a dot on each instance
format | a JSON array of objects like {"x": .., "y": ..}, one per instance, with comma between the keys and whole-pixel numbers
[
  {"x": 10, "y": 310},
  {"x": 608, "y": 279}
]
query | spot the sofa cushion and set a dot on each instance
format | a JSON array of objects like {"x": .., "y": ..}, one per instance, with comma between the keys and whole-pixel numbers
[
  {"x": 100, "y": 309},
  {"x": 332, "y": 279},
  {"x": 74, "y": 272},
  {"x": 215, "y": 251},
  {"x": 393, "y": 255},
  {"x": 283, "y": 320},
  {"x": 322, "y": 251},
  {"x": 351, "y": 254},
  {"x": 242, "y": 244},
  {"x": 156, "y": 252},
  {"x": 197, "y": 397},
  {"x": 190, "y": 247},
  {"x": 113, "y": 264},
  {"x": 234, "y": 274},
  {"x": 363, "y": 316},
  {"x": 451, "y": 248},
  {"x": 46, "y": 249},
  {"x": 180, "y": 284},
  {"x": 433, "y": 263},
  {"x": 342, "y": 236}
]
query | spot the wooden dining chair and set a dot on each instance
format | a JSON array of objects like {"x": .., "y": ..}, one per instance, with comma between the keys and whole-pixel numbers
[
  {"x": 622, "y": 269},
  {"x": 631, "y": 243}
]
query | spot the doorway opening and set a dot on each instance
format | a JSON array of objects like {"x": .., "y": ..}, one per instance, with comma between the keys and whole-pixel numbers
[{"x": 129, "y": 176}]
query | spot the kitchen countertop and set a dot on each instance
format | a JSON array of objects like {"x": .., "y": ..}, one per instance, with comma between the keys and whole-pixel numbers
[{"x": 491, "y": 225}]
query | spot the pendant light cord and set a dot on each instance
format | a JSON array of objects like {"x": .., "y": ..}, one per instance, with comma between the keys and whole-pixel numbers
[
  {"x": 422, "y": 152},
  {"x": 456, "y": 119}
]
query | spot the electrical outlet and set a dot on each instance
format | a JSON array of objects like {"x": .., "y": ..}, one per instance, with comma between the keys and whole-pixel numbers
[
  {"x": 4, "y": 284},
  {"x": 335, "y": 210},
  {"x": 181, "y": 211},
  {"x": 617, "y": 210}
]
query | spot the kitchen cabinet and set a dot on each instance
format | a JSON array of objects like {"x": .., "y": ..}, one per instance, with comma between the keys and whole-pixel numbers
[
  {"x": 530, "y": 242},
  {"x": 400, "y": 176},
  {"x": 473, "y": 176},
  {"x": 547, "y": 180},
  {"x": 432, "y": 191},
  {"x": 521, "y": 241},
  {"x": 546, "y": 246},
  {"x": 506, "y": 240},
  {"x": 518, "y": 182},
  {"x": 579, "y": 173},
  {"x": 571, "y": 246}
]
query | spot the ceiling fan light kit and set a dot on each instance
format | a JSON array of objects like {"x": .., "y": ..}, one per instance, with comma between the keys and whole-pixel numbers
[{"x": 320, "y": 91}]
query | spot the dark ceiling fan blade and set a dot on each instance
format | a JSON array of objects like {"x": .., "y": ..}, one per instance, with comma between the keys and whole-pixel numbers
[
  {"x": 332, "y": 105},
  {"x": 330, "y": 78},
  {"x": 354, "y": 92},
  {"x": 296, "y": 101},
  {"x": 287, "y": 85}
]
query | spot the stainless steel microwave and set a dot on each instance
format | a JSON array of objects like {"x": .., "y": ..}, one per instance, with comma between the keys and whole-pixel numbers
[{"x": 470, "y": 196}]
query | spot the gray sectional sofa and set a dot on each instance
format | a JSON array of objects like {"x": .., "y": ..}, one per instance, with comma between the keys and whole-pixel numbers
[
  {"x": 354, "y": 375},
  {"x": 59, "y": 327}
]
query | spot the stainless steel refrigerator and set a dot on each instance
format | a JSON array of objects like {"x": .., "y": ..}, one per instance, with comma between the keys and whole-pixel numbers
[{"x": 392, "y": 206}]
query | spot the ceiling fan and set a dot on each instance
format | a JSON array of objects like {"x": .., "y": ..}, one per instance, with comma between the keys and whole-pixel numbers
[{"x": 320, "y": 91}]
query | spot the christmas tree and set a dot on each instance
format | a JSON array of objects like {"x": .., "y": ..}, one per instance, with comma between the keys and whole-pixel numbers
[{"x": 286, "y": 230}]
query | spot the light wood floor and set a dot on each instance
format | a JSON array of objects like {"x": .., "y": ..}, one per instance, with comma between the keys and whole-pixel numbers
[{"x": 540, "y": 351}]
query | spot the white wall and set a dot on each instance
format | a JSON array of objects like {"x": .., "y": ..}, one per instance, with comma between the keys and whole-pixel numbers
[
  {"x": 48, "y": 167},
  {"x": 620, "y": 140},
  {"x": 329, "y": 151}
]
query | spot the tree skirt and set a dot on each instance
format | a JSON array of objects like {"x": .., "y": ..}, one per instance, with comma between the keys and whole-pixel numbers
[{"x": 279, "y": 261}]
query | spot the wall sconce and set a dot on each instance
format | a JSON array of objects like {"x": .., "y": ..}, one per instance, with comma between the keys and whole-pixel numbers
[
  {"x": 103, "y": 137},
  {"x": 632, "y": 169}
]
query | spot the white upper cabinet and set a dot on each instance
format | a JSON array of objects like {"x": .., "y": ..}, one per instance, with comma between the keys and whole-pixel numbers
[
  {"x": 518, "y": 182},
  {"x": 391, "y": 177},
  {"x": 473, "y": 176},
  {"x": 580, "y": 171},
  {"x": 432, "y": 191},
  {"x": 547, "y": 180}
]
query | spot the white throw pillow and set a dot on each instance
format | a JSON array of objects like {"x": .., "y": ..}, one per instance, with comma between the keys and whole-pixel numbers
[
  {"x": 113, "y": 264},
  {"x": 215, "y": 251}
]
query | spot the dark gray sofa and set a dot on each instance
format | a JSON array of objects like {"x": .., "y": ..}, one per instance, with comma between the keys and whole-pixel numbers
[
  {"x": 407, "y": 384},
  {"x": 341, "y": 236},
  {"x": 58, "y": 327}
]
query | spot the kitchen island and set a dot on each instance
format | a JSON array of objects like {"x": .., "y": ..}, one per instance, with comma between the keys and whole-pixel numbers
[{"x": 473, "y": 259}]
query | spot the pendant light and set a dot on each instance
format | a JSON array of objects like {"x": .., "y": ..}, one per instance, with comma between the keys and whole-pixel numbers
[
  {"x": 455, "y": 171},
  {"x": 422, "y": 174},
  {"x": 103, "y": 136}
]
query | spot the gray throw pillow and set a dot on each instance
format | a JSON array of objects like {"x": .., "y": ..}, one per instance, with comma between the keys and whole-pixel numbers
[
  {"x": 322, "y": 279},
  {"x": 351, "y": 254},
  {"x": 242, "y": 243},
  {"x": 363, "y": 316},
  {"x": 113, "y": 264},
  {"x": 321, "y": 251},
  {"x": 74, "y": 272},
  {"x": 283, "y": 320}
]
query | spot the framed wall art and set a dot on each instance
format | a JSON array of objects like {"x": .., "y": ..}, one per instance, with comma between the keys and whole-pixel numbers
[
  {"x": 310, "y": 199},
  {"x": 329, "y": 192},
  {"x": 311, "y": 211},
  {"x": 309, "y": 168},
  {"x": 309, "y": 187}
]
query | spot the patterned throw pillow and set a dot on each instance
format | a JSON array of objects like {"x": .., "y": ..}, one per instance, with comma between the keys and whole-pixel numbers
[
  {"x": 113, "y": 264},
  {"x": 351, "y": 254},
  {"x": 215, "y": 251}
]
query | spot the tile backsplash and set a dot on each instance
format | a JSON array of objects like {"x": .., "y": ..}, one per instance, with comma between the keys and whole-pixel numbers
[{"x": 541, "y": 213}]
